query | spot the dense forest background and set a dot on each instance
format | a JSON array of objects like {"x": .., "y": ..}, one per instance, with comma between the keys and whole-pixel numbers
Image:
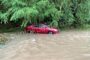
[{"x": 58, "y": 13}]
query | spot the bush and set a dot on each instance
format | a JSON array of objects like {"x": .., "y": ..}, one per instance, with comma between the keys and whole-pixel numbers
[
  {"x": 63, "y": 13},
  {"x": 3, "y": 39}
]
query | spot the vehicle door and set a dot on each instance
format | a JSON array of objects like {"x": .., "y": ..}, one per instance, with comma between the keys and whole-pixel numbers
[{"x": 44, "y": 29}]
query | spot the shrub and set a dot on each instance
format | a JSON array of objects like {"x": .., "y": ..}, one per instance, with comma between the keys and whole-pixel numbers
[{"x": 3, "y": 39}]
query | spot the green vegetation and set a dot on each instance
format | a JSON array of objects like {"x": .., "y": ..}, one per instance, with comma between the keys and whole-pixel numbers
[
  {"x": 3, "y": 39},
  {"x": 58, "y": 13}
]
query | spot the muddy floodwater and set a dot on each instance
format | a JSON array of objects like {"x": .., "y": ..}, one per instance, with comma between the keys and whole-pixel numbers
[{"x": 67, "y": 45}]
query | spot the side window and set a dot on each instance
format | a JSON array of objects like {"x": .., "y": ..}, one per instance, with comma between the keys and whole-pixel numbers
[
  {"x": 44, "y": 26},
  {"x": 36, "y": 26}
]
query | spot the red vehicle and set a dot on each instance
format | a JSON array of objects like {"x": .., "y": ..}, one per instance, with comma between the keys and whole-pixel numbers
[{"x": 41, "y": 29}]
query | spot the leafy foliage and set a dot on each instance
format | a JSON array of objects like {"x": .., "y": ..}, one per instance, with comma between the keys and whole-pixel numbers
[{"x": 63, "y": 13}]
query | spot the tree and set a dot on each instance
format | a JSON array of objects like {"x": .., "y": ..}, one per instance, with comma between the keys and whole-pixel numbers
[
  {"x": 28, "y": 10},
  {"x": 74, "y": 12},
  {"x": 63, "y": 13}
]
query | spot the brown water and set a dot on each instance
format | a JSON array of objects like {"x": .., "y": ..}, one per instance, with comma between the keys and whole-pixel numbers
[{"x": 67, "y": 45}]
